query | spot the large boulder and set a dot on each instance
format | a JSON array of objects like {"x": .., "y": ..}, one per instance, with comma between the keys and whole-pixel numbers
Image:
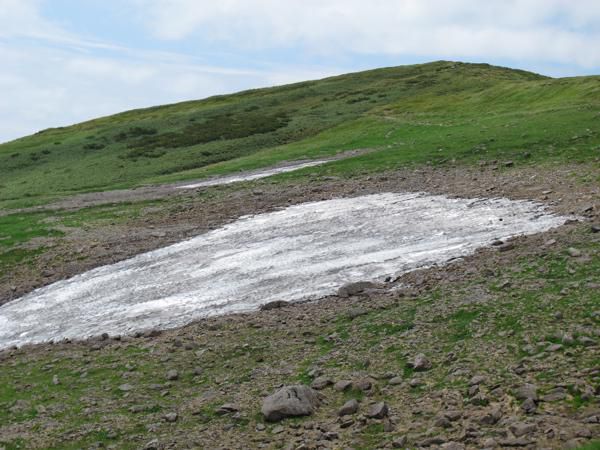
[{"x": 290, "y": 401}]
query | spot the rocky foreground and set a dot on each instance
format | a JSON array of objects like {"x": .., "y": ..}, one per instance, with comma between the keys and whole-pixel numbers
[{"x": 497, "y": 350}]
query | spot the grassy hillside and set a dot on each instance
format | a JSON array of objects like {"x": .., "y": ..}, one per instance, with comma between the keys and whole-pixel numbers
[{"x": 433, "y": 113}]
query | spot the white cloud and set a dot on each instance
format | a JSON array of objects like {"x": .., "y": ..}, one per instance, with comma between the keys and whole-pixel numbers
[
  {"x": 51, "y": 77},
  {"x": 559, "y": 31}
]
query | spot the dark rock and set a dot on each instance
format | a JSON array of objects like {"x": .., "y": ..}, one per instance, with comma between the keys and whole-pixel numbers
[
  {"x": 442, "y": 422},
  {"x": 378, "y": 411},
  {"x": 274, "y": 305},
  {"x": 400, "y": 442},
  {"x": 529, "y": 406},
  {"x": 506, "y": 247},
  {"x": 152, "y": 445},
  {"x": 453, "y": 415},
  {"x": 290, "y": 401},
  {"x": 350, "y": 289},
  {"x": 227, "y": 408}
]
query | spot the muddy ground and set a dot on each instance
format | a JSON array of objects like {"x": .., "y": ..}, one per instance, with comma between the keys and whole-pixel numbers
[{"x": 511, "y": 337}]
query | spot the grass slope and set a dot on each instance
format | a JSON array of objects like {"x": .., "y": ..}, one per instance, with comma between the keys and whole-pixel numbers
[{"x": 435, "y": 113}]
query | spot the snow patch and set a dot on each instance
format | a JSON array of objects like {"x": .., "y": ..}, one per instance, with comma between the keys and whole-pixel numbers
[{"x": 302, "y": 252}]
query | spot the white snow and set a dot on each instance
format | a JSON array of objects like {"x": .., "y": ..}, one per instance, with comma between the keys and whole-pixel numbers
[
  {"x": 255, "y": 175},
  {"x": 305, "y": 251}
]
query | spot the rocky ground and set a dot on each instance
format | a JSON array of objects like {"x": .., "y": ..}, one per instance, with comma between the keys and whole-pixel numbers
[{"x": 497, "y": 350}]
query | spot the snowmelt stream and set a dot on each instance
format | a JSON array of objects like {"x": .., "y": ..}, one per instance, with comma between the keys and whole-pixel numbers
[{"x": 301, "y": 252}]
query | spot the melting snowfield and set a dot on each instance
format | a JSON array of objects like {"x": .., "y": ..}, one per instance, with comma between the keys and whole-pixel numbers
[
  {"x": 304, "y": 251},
  {"x": 255, "y": 175}
]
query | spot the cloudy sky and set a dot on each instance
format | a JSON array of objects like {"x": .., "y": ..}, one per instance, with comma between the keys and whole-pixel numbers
[{"x": 64, "y": 61}]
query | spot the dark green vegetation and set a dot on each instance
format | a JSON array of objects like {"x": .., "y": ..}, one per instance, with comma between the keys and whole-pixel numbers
[
  {"x": 73, "y": 396},
  {"x": 437, "y": 113}
]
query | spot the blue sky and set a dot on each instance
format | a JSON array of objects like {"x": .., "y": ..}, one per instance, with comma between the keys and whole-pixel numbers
[{"x": 65, "y": 61}]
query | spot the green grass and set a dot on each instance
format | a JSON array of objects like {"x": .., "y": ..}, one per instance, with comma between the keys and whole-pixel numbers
[
  {"x": 432, "y": 113},
  {"x": 595, "y": 445}
]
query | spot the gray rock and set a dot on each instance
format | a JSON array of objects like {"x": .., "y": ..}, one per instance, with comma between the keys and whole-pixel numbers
[
  {"x": 529, "y": 406},
  {"x": 172, "y": 375},
  {"x": 342, "y": 385},
  {"x": 420, "y": 363},
  {"x": 442, "y": 422},
  {"x": 351, "y": 289},
  {"x": 400, "y": 442},
  {"x": 490, "y": 417},
  {"x": 171, "y": 417},
  {"x": 290, "y": 401},
  {"x": 126, "y": 387},
  {"x": 321, "y": 383},
  {"x": 378, "y": 411},
  {"x": 515, "y": 442},
  {"x": 396, "y": 381},
  {"x": 415, "y": 383},
  {"x": 506, "y": 247},
  {"x": 364, "y": 384},
  {"x": 526, "y": 391},
  {"x": 453, "y": 446},
  {"x": 521, "y": 429},
  {"x": 476, "y": 380},
  {"x": 586, "y": 341},
  {"x": 349, "y": 408},
  {"x": 555, "y": 395},
  {"x": 575, "y": 253},
  {"x": 274, "y": 305},
  {"x": 453, "y": 415},
  {"x": 356, "y": 312}
]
